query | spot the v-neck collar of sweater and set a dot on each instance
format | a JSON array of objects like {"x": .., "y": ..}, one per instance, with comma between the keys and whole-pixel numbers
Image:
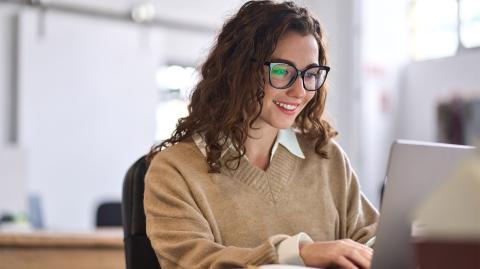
[
  {"x": 271, "y": 182},
  {"x": 286, "y": 153}
]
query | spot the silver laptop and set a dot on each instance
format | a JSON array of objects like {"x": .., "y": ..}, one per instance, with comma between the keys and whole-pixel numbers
[{"x": 414, "y": 169}]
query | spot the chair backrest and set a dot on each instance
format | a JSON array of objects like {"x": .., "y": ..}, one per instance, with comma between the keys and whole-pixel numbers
[
  {"x": 139, "y": 253},
  {"x": 109, "y": 214}
]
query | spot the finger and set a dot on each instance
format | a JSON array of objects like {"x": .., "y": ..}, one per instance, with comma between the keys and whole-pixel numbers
[
  {"x": 358, "y": 254},
  {"x": 345, "y": 263},
  {"x": 352, "y": 247},
  {"x": 359, "y": 245},
  {"x": 359, "y": 258},
  {"x": 365, "y": 253}
]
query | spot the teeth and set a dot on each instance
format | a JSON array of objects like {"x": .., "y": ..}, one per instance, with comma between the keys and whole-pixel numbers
[{"x": 286, "y": 106}]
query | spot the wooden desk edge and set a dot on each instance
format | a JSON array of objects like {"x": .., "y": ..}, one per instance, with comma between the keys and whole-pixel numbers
[{"x": 97, "y": 239}]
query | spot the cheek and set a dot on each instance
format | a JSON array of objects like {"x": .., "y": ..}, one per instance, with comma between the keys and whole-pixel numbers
[
  {"x": 269, "y": 92},
  {"x": 308, "y": 98}
]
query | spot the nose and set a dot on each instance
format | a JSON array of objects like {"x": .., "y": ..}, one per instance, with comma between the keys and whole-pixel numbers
[{"x": 297, "y": 90}]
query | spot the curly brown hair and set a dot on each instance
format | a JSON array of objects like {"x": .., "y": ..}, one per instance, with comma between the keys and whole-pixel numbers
[{"x": 229, "y": 97}]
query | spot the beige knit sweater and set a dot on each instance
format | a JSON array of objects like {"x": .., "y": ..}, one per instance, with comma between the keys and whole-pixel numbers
[{"x": 235, "y": 218}]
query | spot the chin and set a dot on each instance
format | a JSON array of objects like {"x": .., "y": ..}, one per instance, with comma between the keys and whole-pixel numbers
[{"x": 282, "y": 125}]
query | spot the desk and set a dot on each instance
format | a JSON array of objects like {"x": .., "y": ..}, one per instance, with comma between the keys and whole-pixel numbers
[{"x": 102, "y": 249}]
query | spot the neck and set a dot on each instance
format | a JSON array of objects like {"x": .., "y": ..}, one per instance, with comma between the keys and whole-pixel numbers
[{"x": 259, "y": 145}]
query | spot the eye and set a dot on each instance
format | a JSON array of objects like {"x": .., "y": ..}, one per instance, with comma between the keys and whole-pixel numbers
[
  {"x": 279, "y": 70},
  {"x": 311, "y": 74}
]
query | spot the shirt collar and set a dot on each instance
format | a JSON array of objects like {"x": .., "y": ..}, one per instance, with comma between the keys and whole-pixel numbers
[
  {"x": 285, "y": 137},
  {"x": 288, "y": 139}
]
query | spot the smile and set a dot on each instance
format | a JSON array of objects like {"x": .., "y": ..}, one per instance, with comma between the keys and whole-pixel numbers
[{"x": 289, "y": 107}]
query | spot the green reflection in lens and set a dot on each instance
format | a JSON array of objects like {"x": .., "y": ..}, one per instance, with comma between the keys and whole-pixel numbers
[{"x": 279, "y": 70}]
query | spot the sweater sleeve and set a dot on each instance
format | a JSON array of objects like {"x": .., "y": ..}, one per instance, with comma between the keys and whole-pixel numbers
[
  {"x": 180, "y": 234},
  {"x": 362, "y": 217}
]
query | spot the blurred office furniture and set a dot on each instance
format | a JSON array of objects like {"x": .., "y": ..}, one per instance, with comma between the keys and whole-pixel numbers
[
  {"x": 14, "y": 223},
  {"x": 459, "y": 121},
  {"x": 102, "y": 249},
  {"x": 472, "y": 122},
  {"x": 109, "y": 214},
  {"x": 447, "y": 253},
  {"x": 139, "y": 253},
  {"x": 35, "y": 213}
]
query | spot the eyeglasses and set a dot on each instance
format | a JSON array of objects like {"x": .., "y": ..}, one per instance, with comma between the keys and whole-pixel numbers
[{"x": 283, "y": 75}]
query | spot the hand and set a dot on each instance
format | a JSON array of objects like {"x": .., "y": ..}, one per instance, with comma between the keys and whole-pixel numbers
[{"x": 344, "y": 253}]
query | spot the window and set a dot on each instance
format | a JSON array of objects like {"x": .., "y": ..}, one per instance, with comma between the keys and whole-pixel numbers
[
  {"x": 440, "y": 28},
  {"x": 174, "y": 86},
  {"x": 470, "y": 23},
  {"x": 434, "y": 30}
]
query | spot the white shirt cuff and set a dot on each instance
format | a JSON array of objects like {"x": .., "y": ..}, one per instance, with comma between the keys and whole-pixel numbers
[{"x": 288, "y": 250}]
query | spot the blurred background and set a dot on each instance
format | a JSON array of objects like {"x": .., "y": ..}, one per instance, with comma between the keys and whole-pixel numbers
[{"x": 88, "y": 86}]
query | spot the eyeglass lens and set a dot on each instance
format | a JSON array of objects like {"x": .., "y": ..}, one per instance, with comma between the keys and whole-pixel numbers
[{"x": 283, "y": 75}]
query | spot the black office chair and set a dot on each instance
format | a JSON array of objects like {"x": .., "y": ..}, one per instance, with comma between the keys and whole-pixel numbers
[
  {"x": 109, "y": 214},
  {"x": 139, "y": 253}
]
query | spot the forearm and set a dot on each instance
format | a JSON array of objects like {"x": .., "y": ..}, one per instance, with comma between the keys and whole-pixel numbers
[{"x": 184, "y": 249}]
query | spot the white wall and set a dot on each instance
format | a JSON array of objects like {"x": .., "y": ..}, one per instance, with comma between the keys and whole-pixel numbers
[
  {"x": 87, "y": 99},
  {"x": 13, "y": 177},
  {"x": 383, "y": 54}
]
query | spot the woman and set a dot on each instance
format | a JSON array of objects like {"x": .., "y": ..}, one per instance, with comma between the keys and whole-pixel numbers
[{"x": 252, "y": 176}]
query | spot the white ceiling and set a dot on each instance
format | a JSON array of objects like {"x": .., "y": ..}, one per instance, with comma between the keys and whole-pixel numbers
[{"x": 206, "y": 13}]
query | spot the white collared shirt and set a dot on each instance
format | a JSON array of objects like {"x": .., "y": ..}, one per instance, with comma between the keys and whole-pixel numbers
[{"x": 288, "y": 139}]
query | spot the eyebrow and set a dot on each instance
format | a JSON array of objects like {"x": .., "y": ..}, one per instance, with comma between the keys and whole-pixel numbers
[{"x": 280, "y": 60}]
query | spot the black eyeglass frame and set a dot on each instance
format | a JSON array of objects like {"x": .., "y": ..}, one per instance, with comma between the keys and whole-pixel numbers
[{"x": 298, "y": 72}]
